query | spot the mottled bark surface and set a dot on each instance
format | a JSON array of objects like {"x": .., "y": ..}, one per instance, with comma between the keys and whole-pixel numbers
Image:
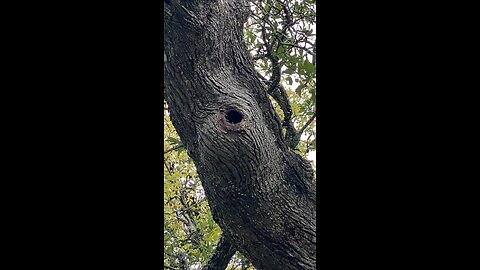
[{"x": 261, "y": 194}]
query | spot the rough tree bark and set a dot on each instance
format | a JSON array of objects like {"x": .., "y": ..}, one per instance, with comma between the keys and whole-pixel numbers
[
  {"x": 260, "y": 193},
  {"x": 221, "y": 256}
]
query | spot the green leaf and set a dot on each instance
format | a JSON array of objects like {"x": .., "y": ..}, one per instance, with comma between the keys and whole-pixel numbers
[
  {"x": 313, "y": 145},
  {"x": 289, "y": 71},
  {"x": 173, "y": 140},
  {"x": 289, "y": 80},
  {"x": 309, "y": 67},
  {"x": 281, "y": 51}
]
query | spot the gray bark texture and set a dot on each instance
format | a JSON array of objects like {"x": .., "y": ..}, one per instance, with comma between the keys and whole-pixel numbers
[{"x": 260, "y": 193}]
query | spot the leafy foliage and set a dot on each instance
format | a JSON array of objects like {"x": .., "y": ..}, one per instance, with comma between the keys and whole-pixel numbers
[
  {"x": 281, "y": 39},
  {"x": 189, "y": 231}
]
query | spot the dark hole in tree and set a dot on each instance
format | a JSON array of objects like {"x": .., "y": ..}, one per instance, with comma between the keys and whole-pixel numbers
[{"x": 233, "y": 117}]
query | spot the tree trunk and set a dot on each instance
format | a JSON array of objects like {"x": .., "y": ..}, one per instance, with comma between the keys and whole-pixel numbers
[{"x": 260, "y": 193}]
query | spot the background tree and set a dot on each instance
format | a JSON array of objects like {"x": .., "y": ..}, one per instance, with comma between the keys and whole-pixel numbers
[{"x": 208, "y": 66}]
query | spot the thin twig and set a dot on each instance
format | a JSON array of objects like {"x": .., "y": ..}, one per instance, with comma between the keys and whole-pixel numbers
[
  {"x": 168, "y": 169},
  {"x": 300, "y": 47},
  {"x": 307, "y": 124},
  {"x": 173, "y": 148}
]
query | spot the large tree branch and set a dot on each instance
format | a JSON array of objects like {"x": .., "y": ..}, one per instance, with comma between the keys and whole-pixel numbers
[
  {"x": 221, "y": 255},
  {"x": 279, "y": 94},
  {"x": 275, "y": 88}
]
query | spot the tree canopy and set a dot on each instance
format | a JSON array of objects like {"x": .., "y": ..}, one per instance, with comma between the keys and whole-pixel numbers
[{"x": 281, "y": 40}]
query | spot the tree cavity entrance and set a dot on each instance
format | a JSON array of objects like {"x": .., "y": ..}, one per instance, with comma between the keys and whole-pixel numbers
[{"x": 233, "y": 117}]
